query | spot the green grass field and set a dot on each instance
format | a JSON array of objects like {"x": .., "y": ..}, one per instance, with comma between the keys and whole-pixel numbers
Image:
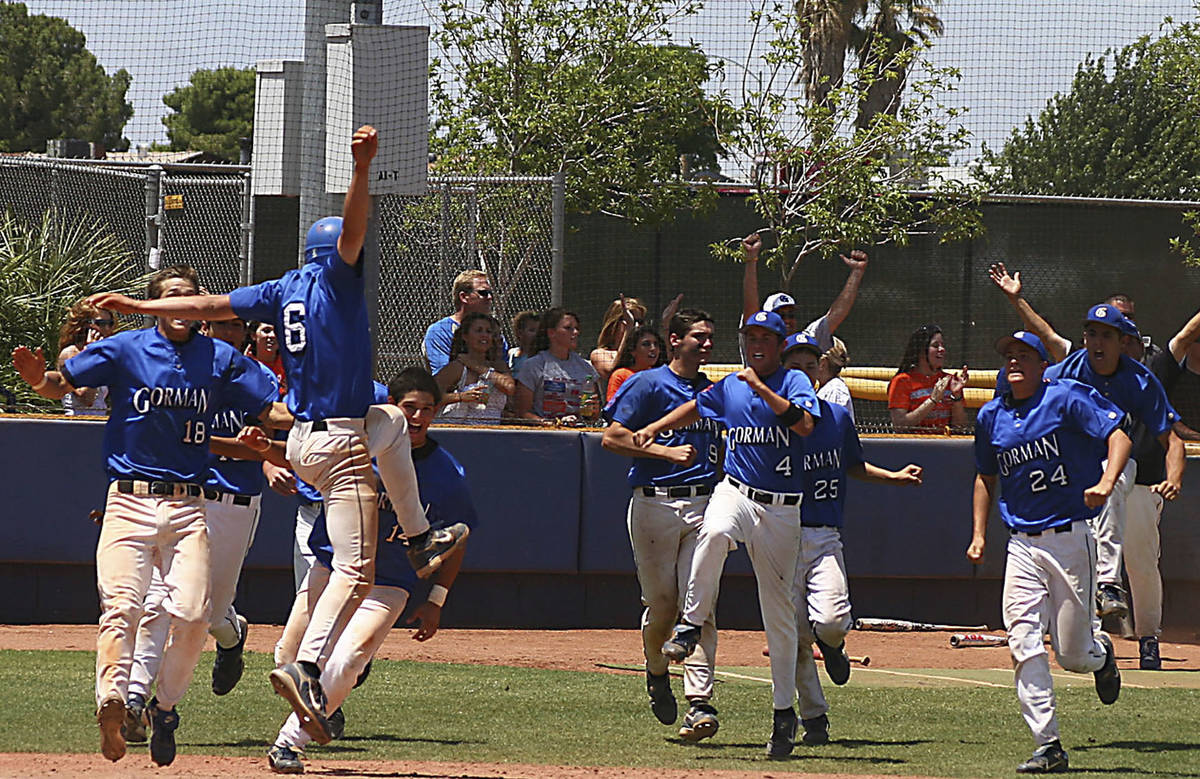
[{"x": 881, "y": 723}]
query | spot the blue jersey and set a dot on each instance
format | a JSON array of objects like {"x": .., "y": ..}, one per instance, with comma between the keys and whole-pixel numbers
[
  {"x": 1046, "y": 450},
  {"x": 245, "y": 477},
  {"x": 320, "y": 315},
  {"x": 760, "y": 451},
  {"x": 648, "y": 395},
  {"x": 443, "y": 489},
  {"x": 310, "y": 494},
  {"x": 1132, "y": 387},
  {"x": 164, "y": 395},
  {"x": 831, "y": 449}
]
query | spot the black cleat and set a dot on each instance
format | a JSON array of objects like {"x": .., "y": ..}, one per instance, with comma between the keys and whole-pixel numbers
[
  {"x": 816, "y": 730},
  {"x": 1148, "y": 657},
  {"x": 303, "y": 691},
  {"x": 162, "y": 734},
  {"x": 662, "y": 700},
  {"x": 284, "y": 760},
  {"x": 228, "y": 665},
  {"x": 136, "y": 719},
  {"x": 783, "y": 733},
  {"x": 700, "y": 722},
  {"x": 1047, "y": 759},
  {"x": 362, "y": 677},
  {"x": 837, "y": 662},
  {"x": 337, "y": 723},
  {"x": 681, "y": 643},
  {"x": 436, "y": 545},
  {"x": 1108, "y": 678},
  {"x": 1110, "y": 601}
]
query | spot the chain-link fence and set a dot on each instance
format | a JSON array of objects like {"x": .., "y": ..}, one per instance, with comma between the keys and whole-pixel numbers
[
  {"x": 504, "y": 226},
  {"x": 206, "y": 224}
]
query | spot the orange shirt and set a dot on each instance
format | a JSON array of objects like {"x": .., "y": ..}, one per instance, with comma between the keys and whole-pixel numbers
[
  {"x": 909, "y": 390},
  {"x": 616, "y": 380}
]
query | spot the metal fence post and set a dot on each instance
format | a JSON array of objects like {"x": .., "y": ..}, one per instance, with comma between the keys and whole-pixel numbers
[
  {"x": 153, "y": 216},
  {"x": 558, "y": 190},
  {"x": 247, "y": 243}
]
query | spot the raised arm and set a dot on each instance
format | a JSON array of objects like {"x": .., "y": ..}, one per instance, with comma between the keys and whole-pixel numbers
[
  {"x": 195, "y": 307},
  {"x": 1185, "y": 338},
  {"x": 1032, "y": 321},
  {"x": 751, "y": 246},
  {"x": 840, "y": 308},
  {"x": 357, "y": 206},
  {"x": 31, "y": 365}
]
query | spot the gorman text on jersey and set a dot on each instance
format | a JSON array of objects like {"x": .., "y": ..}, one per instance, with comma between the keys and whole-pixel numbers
[
  {"x": 777, "y": 436},
  {"x": 147, "y": 398},
  {"x": 1042, "y": 448}
]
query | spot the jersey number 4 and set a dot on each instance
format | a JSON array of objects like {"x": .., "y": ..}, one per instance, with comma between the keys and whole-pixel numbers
[
  {"x": 295, "y": 337},
  {"x": 1037, "y": 479}
]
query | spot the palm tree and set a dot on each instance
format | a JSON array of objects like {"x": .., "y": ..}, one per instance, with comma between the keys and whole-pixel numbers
[{"x": 896, "y": 28}]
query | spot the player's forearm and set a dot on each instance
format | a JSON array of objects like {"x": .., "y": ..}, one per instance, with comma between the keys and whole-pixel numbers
[
  {"x": 873, "y": 474},
  {"x": 448, "y": 572},
  {"x": 198, "y": 307},
  {"x": 618, "y": 439},
  {"x": 682, "y": 416},
  {"x": 981, "y": 505},
  {"x": 750, "y": 302},
  {"x": 1176, "y": 457},
  {"x": 840, "y": 308},
  {"x": 1185, "y": 432},
  {"x": 236, "y": 450},
  {"x": 1119, "y": 447},
  {"x": 53, "y": 385},
  {"x": 1185, "y": 338},
  {"x": 355, "y": 211},
  {"x": 1034, "y": 323}
]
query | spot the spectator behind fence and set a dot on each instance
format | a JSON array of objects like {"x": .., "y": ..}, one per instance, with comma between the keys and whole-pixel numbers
[
  {"x": 622, "y": 316},
  {"x": 475, "y": 383},
  {"x": 472, "y": 294},
  {"x": 264, "y": 346},
  {"x": 524, "y": 327},
  {"x": 85, "y": 324},
  {"x": 832, "y": 386},
  {"x": 923, "y": 398},
  {"x": 643, "y": 349},
  {"x": 556, "y": 383}
]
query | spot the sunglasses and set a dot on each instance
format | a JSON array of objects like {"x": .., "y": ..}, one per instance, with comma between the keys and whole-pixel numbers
[
  {"x": 483, "y": 293},
  {"x": 103, "y": 322}
]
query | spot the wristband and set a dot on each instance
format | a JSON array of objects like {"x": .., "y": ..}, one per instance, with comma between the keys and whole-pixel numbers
[
  {"x": 790, "y": 417},
  {"x": 42, "y": 383},
  {"x": 955, "y": 398},
  {"x": 437, "y": 595}
]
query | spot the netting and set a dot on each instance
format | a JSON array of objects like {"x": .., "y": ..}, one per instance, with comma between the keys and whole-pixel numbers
[{"x": 202, "y": 226}]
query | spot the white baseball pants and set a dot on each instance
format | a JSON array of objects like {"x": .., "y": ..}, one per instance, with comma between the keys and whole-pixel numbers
[
  {"x": 302, "y": 556},
  {"x": 1109, "y": 527},
  {"x": 1050, "y": 584},
  {"x": 337, "y": 461},
  {"x": 772, "y": 538},
  {"x": 663, "y": 533},
  {"x": 139, "y": 534},
  {"x": 821, "y": 595},
  {"x": 1143, "y": 510},
  {"x": 365, "y": 633},
  {"x": 230, "y": 534}
]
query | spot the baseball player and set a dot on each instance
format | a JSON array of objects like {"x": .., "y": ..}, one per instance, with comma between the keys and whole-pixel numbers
[
  {"x": 767, "y": 410},
  {"x": 671, "y": 480},
  {"x": 1042, "y": 445},
  {"x": 320, "y": 312},
  {"x": 232, "y": 496},
  {"x": 1102, "y": 364},
  {"x": 821, "y": 592},
  {"x": 165, "y": 383},
  {"x": 447, "y": 499}
]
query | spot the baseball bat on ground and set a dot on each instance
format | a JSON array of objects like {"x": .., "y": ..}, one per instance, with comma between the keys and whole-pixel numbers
[
  {"x": 905, "y": 626},
  {"x": 964, "y": 640},
  {"x": 864, "y": 660}
]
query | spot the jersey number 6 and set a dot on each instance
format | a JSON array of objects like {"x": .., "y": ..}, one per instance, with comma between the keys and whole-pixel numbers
[{"x": 295, "y": 337}]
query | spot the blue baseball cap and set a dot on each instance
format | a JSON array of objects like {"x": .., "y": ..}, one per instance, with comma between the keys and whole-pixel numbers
[
  {"x": 1129, "y": 327},
  {"x": 1027, "y": 338},
  {"x": 1108, "y": 314},
  {"x": 801, "y": 341},
  {"x": 767, "y": 320}
]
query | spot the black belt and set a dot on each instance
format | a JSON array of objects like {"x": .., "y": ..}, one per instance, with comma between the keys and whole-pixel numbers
[
  {"x": 764, "y": 497},
  {"x": 319, "y": 426},
  {"x": 1060, "y": 529},
  {"x": 166, "y": 488},
  {"x": 693, "y": 491},
  {"x": 238, "y": 500}
]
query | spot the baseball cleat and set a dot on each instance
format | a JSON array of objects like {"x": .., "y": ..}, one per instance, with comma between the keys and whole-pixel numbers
[
  {"x": 362, "y": 677},
  {"x": 816, "y": 730},
  {"x": 783, "y": 733},
  {"x": 136, "y": 719},
  {"x": 1110, "y": 601},
  {"x": 303, "y": 691},
  {"x": 110, "y": 715},
  {"x": 1108, "y": 678},
  {"x": 337, "y": 723},
  {"x": 681, "y": 643},
  {"x": 162, "y": 734},
  {"x": 1148, "y": 657},
  {"x": 837, "y": 663},
  {"x": 284, "y": 760},
  {"x": 435, "y": 547},
  {"x": 229, "y": 664},
  {"x": 1047, "y": 759},
  {"x": 662, "y": 700},
  {"x": 700, "y": 722}
]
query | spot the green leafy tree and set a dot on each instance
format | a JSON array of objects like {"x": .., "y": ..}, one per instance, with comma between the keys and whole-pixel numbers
[
  {"x": 52, "y": 87},
  {"x": 1129, "y": 127},
  {"x": 212, "y": 112},
  {"x": 590, "y": 88},
  {"x": 828, "y": 181}
]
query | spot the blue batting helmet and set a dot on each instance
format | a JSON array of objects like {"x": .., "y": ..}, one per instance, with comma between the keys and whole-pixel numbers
[{"x": 322, "y": 238}]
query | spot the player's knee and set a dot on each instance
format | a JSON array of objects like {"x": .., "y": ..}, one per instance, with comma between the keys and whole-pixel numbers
[
  {"x": 1025, "y": 642},
  {"x": 832, "y": 629}
]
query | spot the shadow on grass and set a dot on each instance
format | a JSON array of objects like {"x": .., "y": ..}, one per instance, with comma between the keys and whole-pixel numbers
[{"x": 1141, "y": 746}]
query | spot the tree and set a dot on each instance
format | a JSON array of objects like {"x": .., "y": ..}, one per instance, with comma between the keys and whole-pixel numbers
[
  {"x": 212, "y": 112},
  {"x": 590, "y": 88},
  {"x": 52, "y": 87},
  {"x": 1129, "y": 127},
  {"x": 828, "y": 181}
]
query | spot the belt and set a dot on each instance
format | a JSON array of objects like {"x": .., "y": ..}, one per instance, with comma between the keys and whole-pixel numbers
[
  {"x": 166, "y": 489},
  {"x": 765, "y": 497},
  {"x": 693, "y": 491},
  {"x": 319, "y": 426},
  {"x": 338, "y": 424},
  {"x": 1060, "y": 529},
  {"x": 238, "y": 500}
]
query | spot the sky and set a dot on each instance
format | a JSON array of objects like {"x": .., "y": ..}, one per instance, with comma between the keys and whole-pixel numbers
[{"x": 1014, "y": 54}]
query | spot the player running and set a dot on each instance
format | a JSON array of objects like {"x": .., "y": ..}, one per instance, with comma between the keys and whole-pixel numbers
[
  {"x": 821, "y": 592},
  {"x": 165, "y": 383},
  {"x": 671, "y": 480},
  {"x": 320, "y": 312},
  {"x": 767, "y": 410},
  {"x": 1042, "y": 444}
]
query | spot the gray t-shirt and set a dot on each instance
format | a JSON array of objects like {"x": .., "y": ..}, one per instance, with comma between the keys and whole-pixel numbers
[{"x": 557, "y": 384}]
